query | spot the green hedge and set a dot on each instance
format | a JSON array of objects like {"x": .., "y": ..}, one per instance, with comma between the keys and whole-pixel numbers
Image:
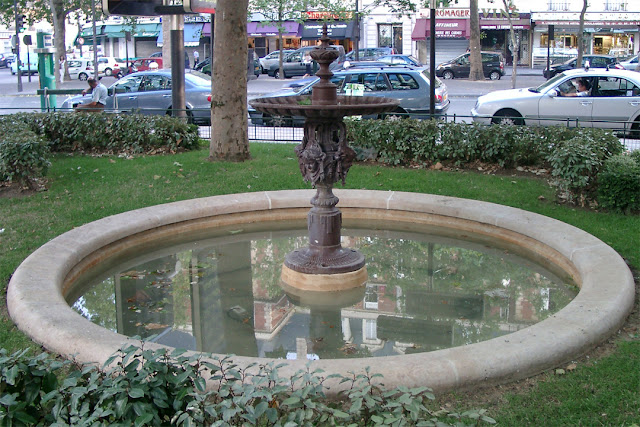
[
  {"x": 23, "y": 153},
  {"x": 113, "y": 133},
  {"x": 619, "y": 183},
  {"x": 574, "y": 155}
]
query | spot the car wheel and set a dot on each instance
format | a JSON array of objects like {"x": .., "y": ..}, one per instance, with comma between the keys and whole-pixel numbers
[
  {"x": 119, "y": 75},
  {"x": 276, "y": 74},
  {"x": 448, "y": 74},
  {"x": 507, "y": 117},
  {"x": 189, "y": 115},
  {"x": 495, "y": 75},
  {"x": 83, "y": 77}
]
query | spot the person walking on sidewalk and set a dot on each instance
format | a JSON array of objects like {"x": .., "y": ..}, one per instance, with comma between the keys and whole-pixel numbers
[
  {"x": 98, "y": 93},
  {"x": 196, "y": 58},
  {"x": 61, "y": 66}
]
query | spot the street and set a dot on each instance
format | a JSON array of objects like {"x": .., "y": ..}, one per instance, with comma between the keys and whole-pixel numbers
[{"x": 463, "y": 93}]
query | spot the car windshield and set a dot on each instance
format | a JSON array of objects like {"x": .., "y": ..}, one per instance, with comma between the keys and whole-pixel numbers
[
  {"x": 427, "y": 76},
  {"x": 548, "y": 84}
]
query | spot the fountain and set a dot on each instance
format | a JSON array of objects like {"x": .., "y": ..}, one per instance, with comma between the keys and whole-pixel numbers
[
  {"x": 324, "y": 159},
  {"x": 38, "y": 290}
]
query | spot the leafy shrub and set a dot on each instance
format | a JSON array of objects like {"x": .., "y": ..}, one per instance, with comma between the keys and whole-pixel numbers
[
  {"x": 23, "y": 153},
  {"x": 619, "y": 183},
  {"x": 145, "y": 387},
  {"x": 113, "y": 133}
]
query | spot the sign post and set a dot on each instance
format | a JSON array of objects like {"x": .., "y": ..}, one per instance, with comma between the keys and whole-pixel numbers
[{"x": 46, "y": 69}]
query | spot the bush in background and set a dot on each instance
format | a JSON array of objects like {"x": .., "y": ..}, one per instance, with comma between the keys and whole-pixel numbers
[
  {"x": 113, "y": 133},
  {"x": 575, "y": 155},
  {"x": 619, "y": 183},
  {"x": 23, "y": 153}
]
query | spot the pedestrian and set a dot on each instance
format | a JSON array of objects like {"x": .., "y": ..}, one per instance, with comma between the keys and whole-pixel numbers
[
  {"x": 196, "y": 58},
  {"x": 98, "y": 93},
  {"x": 61, "y": 67},
  {"x": 307, "y": 63}
]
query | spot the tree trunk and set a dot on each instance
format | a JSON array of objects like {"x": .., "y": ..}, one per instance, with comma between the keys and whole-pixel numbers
[
  {"x": 476, "y": 72},
  {"x": 58, "y": 13},
  {"x": 581, "y": 35},
  {"x": 514, "y": 46},
  {"x": 229, "y": 136}
]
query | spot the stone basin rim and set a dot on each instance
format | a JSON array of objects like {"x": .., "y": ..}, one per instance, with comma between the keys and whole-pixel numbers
[{"x": 37, "y": 306}]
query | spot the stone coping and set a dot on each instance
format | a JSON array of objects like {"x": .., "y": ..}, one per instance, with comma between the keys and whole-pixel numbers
[{"x": 37, "y": 305}]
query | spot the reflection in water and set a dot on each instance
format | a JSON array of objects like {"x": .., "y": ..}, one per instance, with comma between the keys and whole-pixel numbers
[{"x": 224, "y": 296}]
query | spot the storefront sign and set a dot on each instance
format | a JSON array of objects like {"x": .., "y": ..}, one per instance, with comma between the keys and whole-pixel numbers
[
  {"x": 445, "y": 29},
  {"x": 446, "y": 13},
  {"x": 591, "y": 19},
  {"x": 325, "y": 15},
  {"x": 335, "y": 30}
]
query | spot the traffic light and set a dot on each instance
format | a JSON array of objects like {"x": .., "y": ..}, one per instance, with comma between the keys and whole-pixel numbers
[{"x": 20, "y": 22}]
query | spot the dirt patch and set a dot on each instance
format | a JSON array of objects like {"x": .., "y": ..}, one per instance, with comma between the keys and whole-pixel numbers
[{"x": 13, "y": 189}]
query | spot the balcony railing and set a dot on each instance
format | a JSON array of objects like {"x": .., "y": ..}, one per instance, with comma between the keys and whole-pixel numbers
[
  {"x": 615, "y": 5},
  {"x": 558, "y": 5}
]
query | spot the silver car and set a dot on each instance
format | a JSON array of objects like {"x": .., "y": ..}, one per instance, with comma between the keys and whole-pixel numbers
[
  {"x": 410, "y": 85},
  {"x": 612, "y": 100},
  {"x": 631, "y": 63},
  {"x": 149, "y": 92},
  {"x": 272, "y": 59}
]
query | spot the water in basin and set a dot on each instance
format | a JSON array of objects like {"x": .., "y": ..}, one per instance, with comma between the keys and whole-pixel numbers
[{"x": 219, "y": 291}]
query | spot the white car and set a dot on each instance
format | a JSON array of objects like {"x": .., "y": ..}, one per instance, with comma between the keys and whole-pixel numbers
[
  {"x": 271, "y": 59},
  {"x": 611, "y": 101},
  {"x": 81, "y": 69},
  {"x": 630, "y": 64},
  {"x": 109, "y": 65}
]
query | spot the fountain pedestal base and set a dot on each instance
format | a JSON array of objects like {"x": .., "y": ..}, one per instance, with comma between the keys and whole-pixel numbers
[{"x": 324, "y": 282}]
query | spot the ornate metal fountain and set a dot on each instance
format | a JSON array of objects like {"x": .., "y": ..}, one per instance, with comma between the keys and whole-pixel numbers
[{"x": 324, "y": 159}]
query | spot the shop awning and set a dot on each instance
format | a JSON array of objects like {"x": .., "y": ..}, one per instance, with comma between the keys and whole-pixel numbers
[
  {"x": 258, "y": 29},
  {"x": 445, "y": 29},
  {"x": 192, "y": 33},
  {"x": 206, "y": 30},
  {"x": 337, "y": 30}
]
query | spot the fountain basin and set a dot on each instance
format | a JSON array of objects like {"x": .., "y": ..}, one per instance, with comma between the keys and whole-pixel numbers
[
  {"x": 36, "y": 294},
  {"x": 346, "y": 106}
]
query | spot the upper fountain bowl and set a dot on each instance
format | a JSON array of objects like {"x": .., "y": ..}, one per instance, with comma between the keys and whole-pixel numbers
[{"x": 345, "y": 106}]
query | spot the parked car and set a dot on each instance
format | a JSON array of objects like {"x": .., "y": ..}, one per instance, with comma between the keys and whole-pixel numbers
[
  {"x": 143, "y": 64},
  {"x": 200, "y": 65},
  {"x": 460, "y": 66},
  {"x": 370, "y": 53},
  {"x": 10, "y": 57},
  {"x": 400, "y": 60},
  {"x": 294, "y": 65},
  {"x": 80, "y": 69},
  {"x": 612, "y": 101},
  {"x": 109, "y": 65},
  {"x": 272, "y": 58},
  {"x": 631, "y": 63},
  {"x": 410, "y": 85},
  {"x": 26, "y": 68},
  {"x": 595, "y": 61},
  {"x": 149, "y": 92},
  {"x": 206, "y": 69},
  {"x": 3, "y": 60}
]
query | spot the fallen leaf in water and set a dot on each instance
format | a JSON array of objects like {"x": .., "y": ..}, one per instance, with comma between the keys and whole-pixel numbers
[{"x": 155, "y": 326}]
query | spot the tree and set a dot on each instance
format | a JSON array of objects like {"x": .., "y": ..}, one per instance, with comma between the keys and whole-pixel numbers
[
  {"x": 229, "y": 124},
  {"x": 476, "y": 72},
  {"x": 514, "y": 44},
  {"x": 581, "y": 33}
]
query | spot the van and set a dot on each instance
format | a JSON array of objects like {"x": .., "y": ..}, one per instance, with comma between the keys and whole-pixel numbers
[
  {"x": 293, "y": 64},
  {"x": 25, "y": 68},
  {"x": 460, "y": 67}
]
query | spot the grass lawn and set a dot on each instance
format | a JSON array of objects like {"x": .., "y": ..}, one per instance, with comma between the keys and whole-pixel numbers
[{"x": 603, "y": 389}]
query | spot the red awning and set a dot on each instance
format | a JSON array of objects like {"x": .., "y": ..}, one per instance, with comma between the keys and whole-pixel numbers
[
  {"x": 420, "y": 29},
  {"x": 445, "y": 29}
]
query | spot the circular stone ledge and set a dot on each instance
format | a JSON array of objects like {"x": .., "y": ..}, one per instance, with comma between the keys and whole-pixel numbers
[{"x": 37, "y": 305}]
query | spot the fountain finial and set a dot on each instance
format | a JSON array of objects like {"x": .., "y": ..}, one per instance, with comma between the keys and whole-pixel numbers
[{"x": 325, "y": 92}]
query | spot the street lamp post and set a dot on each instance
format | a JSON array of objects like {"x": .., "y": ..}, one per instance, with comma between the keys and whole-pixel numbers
[
  {"x": 95, "y": 42},
  {"x": 15, "y": 6}
]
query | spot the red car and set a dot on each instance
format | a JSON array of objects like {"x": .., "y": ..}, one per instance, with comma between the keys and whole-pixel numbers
[{"x": 143, "y": 64}]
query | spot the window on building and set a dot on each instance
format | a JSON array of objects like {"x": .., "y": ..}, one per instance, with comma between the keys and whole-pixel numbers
[
  {"x": 558, "y": 5},
  {"x": 390, "y": 35},
  {"x": 615, "y": 5}
]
